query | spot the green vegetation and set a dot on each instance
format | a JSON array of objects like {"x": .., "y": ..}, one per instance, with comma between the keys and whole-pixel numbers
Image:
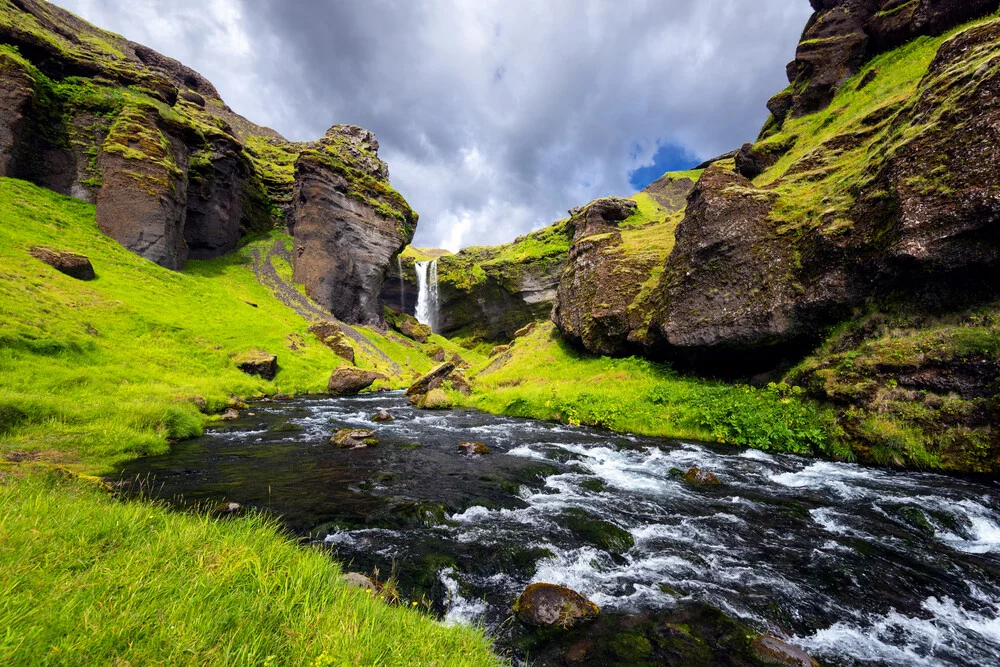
[
  {"x": 92, "y": 373},
  {"x": 829, "y": 158},
  {"x": 115, "y": 368},
  {"x": 88, "y": 579},
  {"x": 543, "y": 377},
  {"x": 913, "y": 390}
]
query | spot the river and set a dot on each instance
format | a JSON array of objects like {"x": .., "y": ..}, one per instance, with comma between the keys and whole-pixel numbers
[{"x": 859, "y": 566}]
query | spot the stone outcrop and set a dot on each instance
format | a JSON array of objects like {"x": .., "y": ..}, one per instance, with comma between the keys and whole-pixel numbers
[
  {"x": 551, "y": 606},
  {"x": 752, "y": 282},
  {"x": 257, "y": 362},
  {"x": 175, "y": 173},
  {"x": 346, "y": 381},
  {"x": 842, "y": 35},
  {"x": 602, "y": 305},
  {"x": 348, "y": 224},
  {"x": 331, "y": 335},
  {"x": 72, "y": 264},
  {"x": 354, "y": 438}
]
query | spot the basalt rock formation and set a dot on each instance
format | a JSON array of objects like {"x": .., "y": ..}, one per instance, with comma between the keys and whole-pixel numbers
[
  {"x": 603, "y": 297},
  {"x": 842, "y": 35},
  {"x": 175, "y": 173}
]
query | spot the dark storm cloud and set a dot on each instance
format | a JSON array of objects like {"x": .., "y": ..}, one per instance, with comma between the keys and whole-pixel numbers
[{"x": 495, "y": 115}]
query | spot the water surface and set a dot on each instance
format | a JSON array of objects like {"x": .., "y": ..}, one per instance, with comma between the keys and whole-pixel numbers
[{"x": 859, "y": 566}]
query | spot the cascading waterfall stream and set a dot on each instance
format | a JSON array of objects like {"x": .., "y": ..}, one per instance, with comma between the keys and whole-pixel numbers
[
  {"x": 402, "y": 285},
  {"x": 427, "y": 293}
]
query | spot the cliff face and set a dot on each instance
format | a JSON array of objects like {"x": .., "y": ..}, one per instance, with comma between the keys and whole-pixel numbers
[
  {"x": 487, "y": 293},
  {"x": 842, "y": 35},
  {"x": 619, "y": 246},
  {"x": 348, "y": 226},
  {"x": 175, "y": 173}
]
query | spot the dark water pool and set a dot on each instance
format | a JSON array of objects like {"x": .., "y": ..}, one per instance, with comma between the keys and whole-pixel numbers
[{"x": 858, "y": 566}]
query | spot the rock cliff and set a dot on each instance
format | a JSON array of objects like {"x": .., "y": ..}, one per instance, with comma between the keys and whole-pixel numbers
[{"x": 175, "y": 173}]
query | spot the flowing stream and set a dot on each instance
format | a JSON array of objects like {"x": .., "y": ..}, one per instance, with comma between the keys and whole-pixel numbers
[
  {"x": 859, "y": 566},
  {"x": 427, "y": 293}
]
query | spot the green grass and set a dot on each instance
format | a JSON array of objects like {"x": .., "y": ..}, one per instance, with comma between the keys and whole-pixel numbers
[
  {"x": 545, "y": 378},
  {"x": 89, "y": 580},
  {"x": 95, "y": 372},
  {"x": 92, "y": 373}
]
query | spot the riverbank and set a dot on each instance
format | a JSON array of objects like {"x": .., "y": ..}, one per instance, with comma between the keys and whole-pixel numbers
[
  {"x": 93, "y": 373},
  {"x": 543, "y": 377}
]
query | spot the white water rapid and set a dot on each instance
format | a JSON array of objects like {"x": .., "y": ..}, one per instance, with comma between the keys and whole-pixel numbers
[{"x": 427, "y": 296}]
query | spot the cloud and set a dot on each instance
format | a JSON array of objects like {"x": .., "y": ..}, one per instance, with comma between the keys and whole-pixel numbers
[{"x": 495, "y": 116}]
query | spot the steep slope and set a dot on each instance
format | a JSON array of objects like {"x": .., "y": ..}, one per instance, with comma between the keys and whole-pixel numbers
[{"x": 175, "y": 173}]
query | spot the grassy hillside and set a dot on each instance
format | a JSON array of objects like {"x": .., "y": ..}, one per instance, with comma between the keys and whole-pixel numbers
[{"x": 92, "y": 373}]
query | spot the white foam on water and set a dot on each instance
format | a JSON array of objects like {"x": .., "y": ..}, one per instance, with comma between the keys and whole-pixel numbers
[
  {"x": 526, "y": 452},
  {"x": 459, "y": 609},
  {"x": 828, "y": 518},
  {"x": 897, "y": 639},
  {"x": 841, "y": 478},
  {"x": 757, "y": 455}
]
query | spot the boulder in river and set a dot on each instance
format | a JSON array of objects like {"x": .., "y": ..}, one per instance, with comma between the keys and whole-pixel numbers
[
  {"x": 435, "y": 399},
  {"x": 700, "y": 477},
  {"x": 549, "y": 606},
  {"x": 383, "y": 416},
  {"x": 257, "y": 362},
  {"x": 346, "y": 381},
  {"x": 70, "y": 263},
  {"x": 776, "y": 652},
  {"x": 354, "y": 438},
  {"x": 473, "y": 448},
  {"x": 230, "y": 415}
]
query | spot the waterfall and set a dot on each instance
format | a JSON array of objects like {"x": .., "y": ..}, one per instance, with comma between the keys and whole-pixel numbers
[
  {"x": 402, "y": 285},
  {"x": 427, "y": 296}
]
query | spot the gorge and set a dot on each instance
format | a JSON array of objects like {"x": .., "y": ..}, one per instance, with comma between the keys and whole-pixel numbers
[{"x": 742, "y": 414}]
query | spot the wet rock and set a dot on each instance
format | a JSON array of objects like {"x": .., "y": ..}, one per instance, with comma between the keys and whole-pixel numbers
[
  {"x": 773, "y": 651},
  {"x": 423, "y": 385},
  {"x": 435, "y": 399},
  {"x": 549, "y": 606},
  {"x": 257, "y": 362},
  {"x": 700, "y": 477},
  {"x": 470, "y": 448},
  {"x": 331, "y": 335},
  {"x": 347, "y": 381},
  {"x": 354, "y": 438},
  {"x": 383, "y": 416},
  {"x": 284, "y": 427},
  {"x": 358, "y": 580},
  {"x": 589, "y": 528},
  {"x": 230, "y": 415},
  {"x": 70, "y": 263}
]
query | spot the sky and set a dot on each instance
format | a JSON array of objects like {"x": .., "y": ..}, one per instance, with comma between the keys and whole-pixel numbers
[{"x": 495, "y": 116}]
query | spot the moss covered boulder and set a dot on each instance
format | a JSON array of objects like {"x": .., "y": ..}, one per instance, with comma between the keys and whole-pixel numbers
[
  {"x": 354, "y": 438},
  {"x": 331, "y": 335},
  {"x": 550, "y": 606},
  {"x": 257, "y": 362},
  {"x": 346, "y": 381}
]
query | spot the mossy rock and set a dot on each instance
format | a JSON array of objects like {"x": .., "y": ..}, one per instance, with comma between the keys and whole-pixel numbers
[
  {"x": 435, "y": 399},
  {"x": 550, "y": 606},
  {"x": 590, "y": 529}
]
